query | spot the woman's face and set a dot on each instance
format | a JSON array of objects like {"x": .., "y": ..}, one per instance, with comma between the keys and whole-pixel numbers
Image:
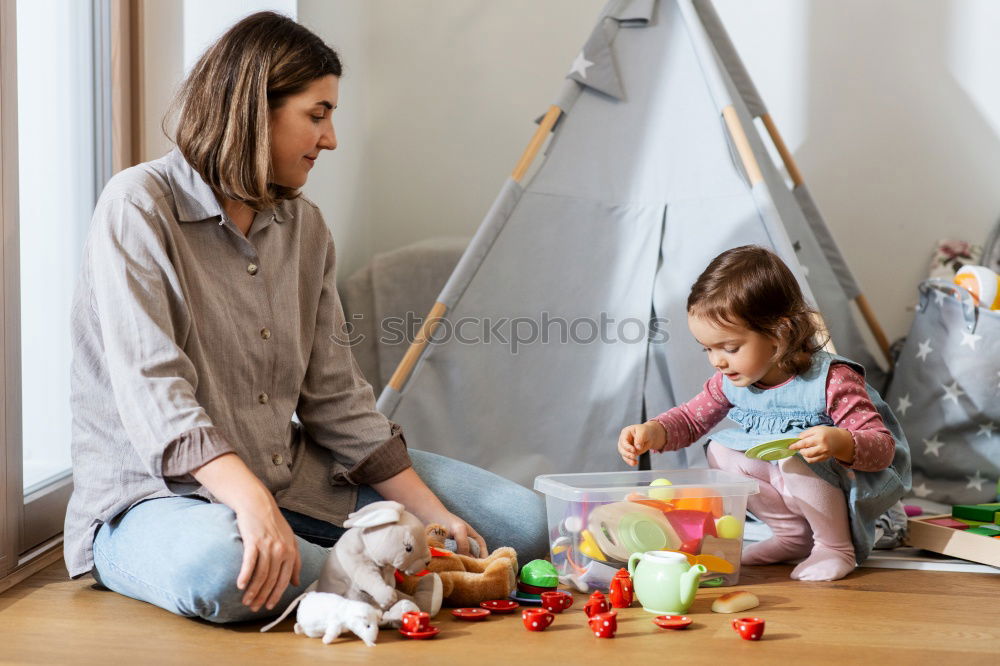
[{"x": 300, "y": 128}]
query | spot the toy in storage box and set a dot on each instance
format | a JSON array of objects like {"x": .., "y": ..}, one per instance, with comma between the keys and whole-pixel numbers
[{"x": 597, "y": 520}]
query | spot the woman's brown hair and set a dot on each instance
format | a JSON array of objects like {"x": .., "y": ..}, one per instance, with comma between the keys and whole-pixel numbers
[
  {"x": 751, "y": 286},
  {"x": 223, "y": 128}
]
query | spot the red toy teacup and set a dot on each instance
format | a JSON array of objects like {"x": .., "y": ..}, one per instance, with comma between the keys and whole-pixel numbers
[
  {"x": 536, "y": 619},
  {"x": 604, "y": 625},
  {"x": 416, "y": 621},
  {"x": 749, "y": 628},
  {"x": 556, "y": 602}
]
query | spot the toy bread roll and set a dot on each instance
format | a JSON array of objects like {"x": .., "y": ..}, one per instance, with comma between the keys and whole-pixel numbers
[{"x": 735, "y": 602}]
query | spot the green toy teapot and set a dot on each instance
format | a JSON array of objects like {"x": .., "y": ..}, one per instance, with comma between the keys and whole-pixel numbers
[{"x": 664, "y": 582}]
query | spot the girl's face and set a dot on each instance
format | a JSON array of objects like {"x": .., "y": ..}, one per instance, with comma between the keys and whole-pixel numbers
[
  {"x": 744, "y": 356},
  {"x": 300, "y": 128}
]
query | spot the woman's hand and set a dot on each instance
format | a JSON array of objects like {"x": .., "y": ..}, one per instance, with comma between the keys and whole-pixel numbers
[
  {"x": 635, "y": 440},
  {"x": 408, "y": 489},
  {"x": 461, "y": 532},
  {"x": 824, "y": 442},
  {"x": 270, "y": 553}
]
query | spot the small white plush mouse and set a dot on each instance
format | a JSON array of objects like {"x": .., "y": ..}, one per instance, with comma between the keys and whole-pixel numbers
[{"x": 327, "y": 615}]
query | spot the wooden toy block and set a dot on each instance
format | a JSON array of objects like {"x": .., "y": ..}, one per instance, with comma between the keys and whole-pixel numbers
[
  {"x": 984, "y": 530},
  {"x": 979, "y": 512},
  {"x": 949, "y": 522}
]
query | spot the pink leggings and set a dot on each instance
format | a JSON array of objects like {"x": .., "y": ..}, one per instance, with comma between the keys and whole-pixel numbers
[{"x": 807, "y": 515}]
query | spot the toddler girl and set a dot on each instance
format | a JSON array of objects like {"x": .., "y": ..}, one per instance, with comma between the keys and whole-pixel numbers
[{"x": 771, "y": 378}]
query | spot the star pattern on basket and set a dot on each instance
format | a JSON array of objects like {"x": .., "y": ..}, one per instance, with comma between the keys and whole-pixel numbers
[
  {"x": 904, "y": 404},
  {"x": 925, "y": 349},
  {"x": 922, "y": 490},
  {"x": 976, "y": 481},
  {"x": 986, "y": 429},
  {"x": 970, "y": 339},
  {"x": 952, "y": 391},
  {"x": 933, "y": 446}
]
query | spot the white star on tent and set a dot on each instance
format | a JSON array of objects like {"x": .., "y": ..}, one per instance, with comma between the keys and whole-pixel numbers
[
  {"x": 976, "y": 481},
  {"x": 904, "y": 404},
  {"x": 932, "y": 446},
  {"x": 925, "y": 349},
  {"x": 580, "y": 66},
  {"x": 922, "y": 490},
  {"x": 952, "y": 391},
  {"x": 938, "y": 296},
  {"x": 986, "y": 429},
  {"x": 970, "y": 339}
]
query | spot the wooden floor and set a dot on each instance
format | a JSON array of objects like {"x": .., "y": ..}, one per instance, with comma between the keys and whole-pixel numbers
[{"x": 875, "y": 616}]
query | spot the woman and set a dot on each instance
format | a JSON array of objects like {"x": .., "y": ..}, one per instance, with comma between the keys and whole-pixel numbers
[{"x": 205, "y": 317}]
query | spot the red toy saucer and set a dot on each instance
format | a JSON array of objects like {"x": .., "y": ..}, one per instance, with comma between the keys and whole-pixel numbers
[
  {"x": 500, "y": 605},
  {"x": 430, "y": 633},
  {"x": 672, "y": 621},
  {"x": 473, "y": 614}
]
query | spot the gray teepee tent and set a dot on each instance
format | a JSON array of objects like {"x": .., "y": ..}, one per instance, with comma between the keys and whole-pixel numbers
[{"x": 565, "y": 318}]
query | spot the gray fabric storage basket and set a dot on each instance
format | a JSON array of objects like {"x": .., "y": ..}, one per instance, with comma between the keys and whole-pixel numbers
[{"x": 946, "y": 394}]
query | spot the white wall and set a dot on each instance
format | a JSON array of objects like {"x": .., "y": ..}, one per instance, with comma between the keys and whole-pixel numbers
[{"x": 891, "y": 108}]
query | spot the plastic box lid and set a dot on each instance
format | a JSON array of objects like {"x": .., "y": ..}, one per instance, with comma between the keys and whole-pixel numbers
[{"x": 614, "y": 486}]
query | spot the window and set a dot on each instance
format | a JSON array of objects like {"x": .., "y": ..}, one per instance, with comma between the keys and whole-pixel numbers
[{"x": 55, "y": 111}]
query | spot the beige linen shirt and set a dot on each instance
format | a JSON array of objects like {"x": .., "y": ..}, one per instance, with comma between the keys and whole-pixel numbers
[{"x": 191, "y": 340}]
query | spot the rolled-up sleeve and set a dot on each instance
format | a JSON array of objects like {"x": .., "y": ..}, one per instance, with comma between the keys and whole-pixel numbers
[
  {"x": 336, "y": 404},
  {"x": 142, "y": 314}
]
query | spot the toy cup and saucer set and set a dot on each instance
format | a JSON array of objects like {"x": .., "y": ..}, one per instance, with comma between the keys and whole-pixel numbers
[{"x": 654, "y": 523}]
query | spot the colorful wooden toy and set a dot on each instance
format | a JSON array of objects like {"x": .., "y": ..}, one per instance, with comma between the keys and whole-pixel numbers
[
  {"x": 948, "y": 522},
  {"x": 986, "y": 513}
]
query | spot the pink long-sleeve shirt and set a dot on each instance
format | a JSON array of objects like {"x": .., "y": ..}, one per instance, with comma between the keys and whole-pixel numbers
[{"x": 847, "y": 402}]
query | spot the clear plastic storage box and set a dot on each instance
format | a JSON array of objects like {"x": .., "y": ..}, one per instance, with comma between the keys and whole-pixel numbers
[{"x": 597, "y": 520}]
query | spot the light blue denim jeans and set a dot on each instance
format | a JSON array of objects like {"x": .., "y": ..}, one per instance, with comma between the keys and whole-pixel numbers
[{"x": 183, "y": 554}]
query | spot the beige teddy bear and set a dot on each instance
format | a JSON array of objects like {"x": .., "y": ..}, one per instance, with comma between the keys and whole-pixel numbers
[{"x": 466, "y": 580}]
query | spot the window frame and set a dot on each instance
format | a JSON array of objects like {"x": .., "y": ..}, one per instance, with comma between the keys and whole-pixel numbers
[{"x": 31, "y": 520}]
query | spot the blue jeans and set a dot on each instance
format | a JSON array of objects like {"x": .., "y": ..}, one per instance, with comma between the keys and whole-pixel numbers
[{"x": 183, "y": 554}]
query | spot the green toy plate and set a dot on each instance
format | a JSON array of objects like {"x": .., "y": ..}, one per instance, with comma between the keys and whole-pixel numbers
[{"x": 775, "y": 450}]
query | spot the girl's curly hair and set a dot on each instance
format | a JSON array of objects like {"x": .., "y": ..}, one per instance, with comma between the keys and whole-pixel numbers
[{"x": 751, "y": 286}]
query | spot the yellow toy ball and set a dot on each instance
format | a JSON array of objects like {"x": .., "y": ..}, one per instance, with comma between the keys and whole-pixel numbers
[
  {"x": 729, "y": 527},
  {"x": 982, "y": 283},
  {"x": 661, "y": 494}
]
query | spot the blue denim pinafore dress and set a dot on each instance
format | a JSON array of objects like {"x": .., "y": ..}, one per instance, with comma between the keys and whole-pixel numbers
[{"x": 799, "y": 404}]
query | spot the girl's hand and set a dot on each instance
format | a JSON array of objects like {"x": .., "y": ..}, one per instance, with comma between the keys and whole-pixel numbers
[
  {"x": 635, "y": 440},
  {"x": 824, "y": 442}
]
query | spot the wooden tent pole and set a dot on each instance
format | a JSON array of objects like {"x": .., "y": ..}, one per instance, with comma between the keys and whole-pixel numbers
[
  {"x": 862, "y": 302},
  {"x": 433, "y": 320},
  {"x": 742, "y": 145}
]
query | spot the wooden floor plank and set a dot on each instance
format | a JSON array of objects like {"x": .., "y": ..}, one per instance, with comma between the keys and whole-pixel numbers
[{"x": 875, "y": 616}]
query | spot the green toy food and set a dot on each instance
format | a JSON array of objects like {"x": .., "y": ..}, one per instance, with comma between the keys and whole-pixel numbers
[{"x": 540, "y": 573}]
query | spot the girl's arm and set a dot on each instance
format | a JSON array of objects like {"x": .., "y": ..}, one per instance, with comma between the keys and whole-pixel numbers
[
  {"x": 687, "y": 423},
  {"x": 858, "y": 438},
  {"x": 851, "y": 409}
]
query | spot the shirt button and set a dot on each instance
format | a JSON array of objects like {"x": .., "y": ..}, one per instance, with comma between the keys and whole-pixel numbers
[
  {"x": 277, "y": 459},
  {"x": 265, "y": 333},
  {"x": 252, "y": 269},
  {"x": 262, "y": 398}
]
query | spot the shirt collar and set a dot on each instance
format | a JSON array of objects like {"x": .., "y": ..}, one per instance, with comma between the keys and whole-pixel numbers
[{"x": 195, "y": 200}]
